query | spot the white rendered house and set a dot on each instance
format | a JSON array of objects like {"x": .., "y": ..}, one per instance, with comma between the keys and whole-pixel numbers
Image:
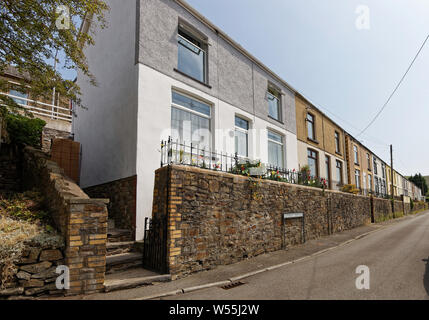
[{"x": 163, "y": 70}]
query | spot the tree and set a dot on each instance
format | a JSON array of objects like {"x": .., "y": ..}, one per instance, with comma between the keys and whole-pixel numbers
[
  {"x": 419, "y": 181},
  {"x": 31, "y": 32}
]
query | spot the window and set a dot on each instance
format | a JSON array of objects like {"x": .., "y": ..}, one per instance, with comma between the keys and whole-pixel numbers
[
  {"x": 190, "y": 120},
  {"x": 274, "y": 105},
  {"x": 328, "y": 170},
  {"x": 313, "y": 162},
  {"x": 383, "y": 171},
  {"x": 275, "y": 149},
  {"x": 355, "y": 151},
  {"x": 357, "y": 178},
  {"x": 192, "y": 56},
  {"x": 369, "y": 161},
  {"x": 241, "y": 137},
  {"x": 370, "y": 183},
  {"x": 337, "y": 142},
  {"x": 310, "y": 126},
  {"x": 339, "y": 167},
  {"x": 377, "y": 186},
  {"x": 375, "y": 166},
  {"x": 19, "y": 94}
]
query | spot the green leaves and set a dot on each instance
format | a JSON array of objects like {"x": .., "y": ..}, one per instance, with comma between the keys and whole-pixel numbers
[{"x": 24, "y": 131}]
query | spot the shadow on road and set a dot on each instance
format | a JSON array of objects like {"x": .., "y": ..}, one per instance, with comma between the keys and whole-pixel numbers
[{"x": 426, "y": 276}]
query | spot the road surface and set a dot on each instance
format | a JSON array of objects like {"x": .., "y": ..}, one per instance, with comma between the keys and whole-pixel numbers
[{"x": 396, "y": 257}]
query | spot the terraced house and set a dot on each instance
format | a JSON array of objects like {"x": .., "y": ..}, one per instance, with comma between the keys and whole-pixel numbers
[{"x": 321, "y": 144}]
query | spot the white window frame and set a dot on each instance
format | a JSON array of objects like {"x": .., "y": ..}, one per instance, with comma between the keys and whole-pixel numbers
[
  {"x": 236, "y": 128},
  {"x": 205, "y": 61},
  {"x": 183, "y": 108},
  {"x": 279, "y": 102},
  {"x": 276, "y": 142}
]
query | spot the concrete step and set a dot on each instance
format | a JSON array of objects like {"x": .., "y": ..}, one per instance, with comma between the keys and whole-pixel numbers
[
  {"x": 123, "y": 261},
  {"x": 133, "y": 278},
  {"x": 119, "y": 247}
]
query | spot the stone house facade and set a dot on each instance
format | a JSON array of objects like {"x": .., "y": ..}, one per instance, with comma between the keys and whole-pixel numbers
[{"x": 321, "y": 144}]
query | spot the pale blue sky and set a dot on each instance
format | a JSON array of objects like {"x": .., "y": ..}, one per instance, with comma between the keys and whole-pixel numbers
[{"x": 315, "y": 46}]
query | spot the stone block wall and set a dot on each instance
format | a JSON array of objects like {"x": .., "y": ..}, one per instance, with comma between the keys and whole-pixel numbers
[
  {"x": 82, "y": 221},
  {"x": 382, "y": 209},
  {"x": 419, "y": 206},
  {"x": 48, "y": 134},
  {"x": 122, "y": 196},
  {"x": 36, "y": 271},
  {"x": 397, "y": 208},
  {"x": 217, "y": 218}
]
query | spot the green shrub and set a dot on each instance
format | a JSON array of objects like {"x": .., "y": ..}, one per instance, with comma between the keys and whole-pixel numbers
[{"x": 24, "y": 131}]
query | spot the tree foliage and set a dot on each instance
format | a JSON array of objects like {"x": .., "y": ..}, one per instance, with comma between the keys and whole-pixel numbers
[
  {"x": 30, "y": 37},
  {"x": 419, "y": 181}
]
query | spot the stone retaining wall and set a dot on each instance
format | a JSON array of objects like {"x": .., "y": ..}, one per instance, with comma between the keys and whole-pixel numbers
[
  {"x": 122, "y": 196},
  {"x": 82, "y": 221},
  {"x": 382, "y": 209},
  {"x": 216, "y": 218},
  {"x": 419, "y": 206},
  {"x": 36, "y": 271},
  {"x": 398, "y": 208}
]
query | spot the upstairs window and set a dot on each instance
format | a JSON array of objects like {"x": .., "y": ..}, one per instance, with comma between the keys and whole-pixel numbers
[
  {"x": 275, "y": 149},
  {"x": 310, "y": 127},
  {"x": 337, "y": 142},
  {"x": 368, "y": 158},
  {"x": 375, "y": 166},
  {"x": 274, "y": 105},
  {"x": 356, "y": 155},
  {"x": 190, "y": 120},
  {"x": 241, "y": 137},
  {"x": 383, "y": 171},
  {"x": 192, "y": 58}
]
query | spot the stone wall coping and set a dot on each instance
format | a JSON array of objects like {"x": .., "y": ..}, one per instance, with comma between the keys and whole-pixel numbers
[
  {"x": 87, "y": 201},
  {"x": 236, "y": 176}
]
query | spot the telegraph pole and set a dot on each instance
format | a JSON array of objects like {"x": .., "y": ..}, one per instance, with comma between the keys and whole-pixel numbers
[{"x": 391, "y": 171}]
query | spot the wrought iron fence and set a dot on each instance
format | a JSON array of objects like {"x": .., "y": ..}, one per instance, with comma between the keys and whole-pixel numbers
[{"x": 177, "y": 152}]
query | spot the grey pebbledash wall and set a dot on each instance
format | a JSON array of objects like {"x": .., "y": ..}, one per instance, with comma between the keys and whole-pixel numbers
[{"x": 232, "y": 76}]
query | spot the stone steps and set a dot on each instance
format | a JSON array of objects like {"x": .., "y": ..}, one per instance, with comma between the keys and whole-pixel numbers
[
  {"x": 123, "y": 261},
  {"x": 119, "y": 247},
  {"x": 119, "y": 235}
]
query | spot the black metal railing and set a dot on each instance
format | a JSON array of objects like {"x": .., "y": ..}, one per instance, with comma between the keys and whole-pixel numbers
[{"x": 177, "y": 152}]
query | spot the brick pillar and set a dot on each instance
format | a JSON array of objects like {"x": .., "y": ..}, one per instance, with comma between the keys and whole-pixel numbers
[{"x": 86, "y": 237}]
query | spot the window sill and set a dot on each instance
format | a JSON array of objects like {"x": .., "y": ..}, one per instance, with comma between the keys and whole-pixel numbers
[
  {"x": 275, "y": 119},
  {"x": 192, "y": 78},
  {"x": 339, "y": 153},
  {"x": 312, "y": 140},
  {"x": 357, "y": 164}
]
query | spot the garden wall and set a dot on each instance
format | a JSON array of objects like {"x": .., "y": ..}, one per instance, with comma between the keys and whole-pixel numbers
[
  {"x": 82, "y": 221},
  {"x": 382, "y": 209},
  {"x": 419, "y": 206},
  {"x": 398, "y": 208},
  {"x": 122, "y": 196},
  {"x": 217, "y": 218}
]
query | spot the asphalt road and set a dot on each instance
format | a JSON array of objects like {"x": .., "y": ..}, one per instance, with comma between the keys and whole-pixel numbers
[{"x": 397, "y": 258}]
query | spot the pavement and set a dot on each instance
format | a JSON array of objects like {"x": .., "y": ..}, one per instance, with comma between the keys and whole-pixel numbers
[{"x": 395, "y": 252}]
